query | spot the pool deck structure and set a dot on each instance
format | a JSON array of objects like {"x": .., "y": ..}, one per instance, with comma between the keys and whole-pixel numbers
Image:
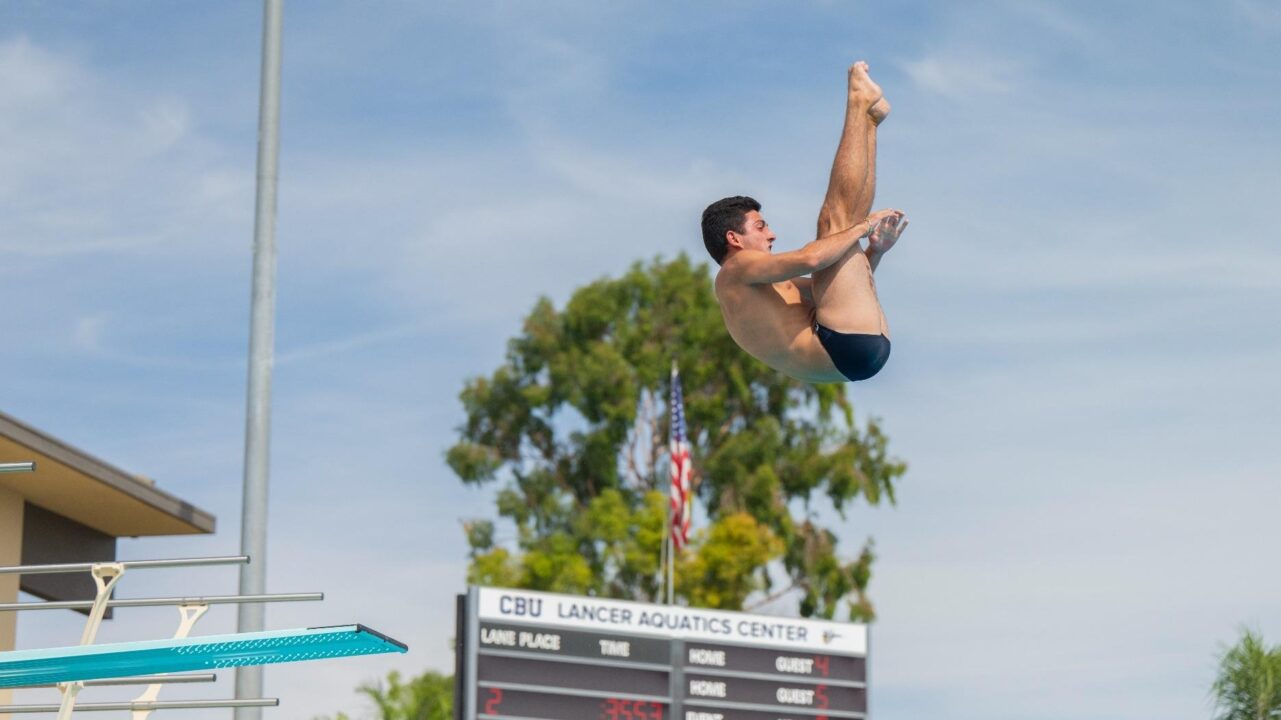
[{"x": 72, "y": 508}]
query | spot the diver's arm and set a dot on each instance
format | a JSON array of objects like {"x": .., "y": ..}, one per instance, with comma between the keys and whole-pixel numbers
[{"x": 758, "y": 267}]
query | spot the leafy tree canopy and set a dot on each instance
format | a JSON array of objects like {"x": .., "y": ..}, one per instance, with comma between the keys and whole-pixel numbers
[
  {"x": 1248, "y": 685},
  {"x": 573, "y": 429},
  {"x": 429, "y": 696}
]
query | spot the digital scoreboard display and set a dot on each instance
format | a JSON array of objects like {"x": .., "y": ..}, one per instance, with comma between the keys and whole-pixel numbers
[{"x": 540, "y": 656}]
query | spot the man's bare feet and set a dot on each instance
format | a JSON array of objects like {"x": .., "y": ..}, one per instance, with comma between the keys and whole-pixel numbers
[
  {"x": 862, "y": 89},
  {"x": 879, "y": 110}
]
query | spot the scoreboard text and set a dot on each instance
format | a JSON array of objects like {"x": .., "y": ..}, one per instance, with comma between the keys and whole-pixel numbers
[{"x": 538, "y": 656}]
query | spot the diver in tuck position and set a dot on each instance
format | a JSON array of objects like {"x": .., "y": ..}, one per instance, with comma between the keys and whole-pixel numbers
[{"x": 827, "y": 327}]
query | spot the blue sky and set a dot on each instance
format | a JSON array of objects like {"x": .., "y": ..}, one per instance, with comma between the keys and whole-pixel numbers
[{"x": 1086, "y": 341}]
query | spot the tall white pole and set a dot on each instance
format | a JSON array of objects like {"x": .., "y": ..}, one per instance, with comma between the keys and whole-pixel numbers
[
  {"x": 253, "y": 523},
  {"x": 671, "y": 473},
  {"x": 664, "y": 554},
  {"x": 671, "y": 571}
]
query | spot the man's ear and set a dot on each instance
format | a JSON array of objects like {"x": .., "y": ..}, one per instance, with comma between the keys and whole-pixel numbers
[{"x": 733, "y": 240}]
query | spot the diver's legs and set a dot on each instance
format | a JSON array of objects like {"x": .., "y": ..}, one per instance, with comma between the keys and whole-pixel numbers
[
  {"x": 852, "y": 185},
  {"x": 844, "y": 294}
]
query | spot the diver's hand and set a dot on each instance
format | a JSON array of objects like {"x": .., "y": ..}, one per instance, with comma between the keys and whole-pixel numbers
[{"x": 886, "y": 232}]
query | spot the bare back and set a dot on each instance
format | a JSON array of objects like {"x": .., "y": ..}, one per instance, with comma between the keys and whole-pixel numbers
[{"x": 774, "y": 324}]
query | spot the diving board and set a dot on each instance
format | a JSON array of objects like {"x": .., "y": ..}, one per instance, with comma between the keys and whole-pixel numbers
[{"x": 21, "y": 668}]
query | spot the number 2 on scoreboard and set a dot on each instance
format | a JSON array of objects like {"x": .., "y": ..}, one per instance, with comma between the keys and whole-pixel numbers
[{"x": 495, "y": 699}]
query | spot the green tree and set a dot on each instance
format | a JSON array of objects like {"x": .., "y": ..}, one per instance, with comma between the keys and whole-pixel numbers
[
  {"x": 1248, "y": 686},
  {"x": 429, "y": 696},
  {"x": 573, "y": 428}
]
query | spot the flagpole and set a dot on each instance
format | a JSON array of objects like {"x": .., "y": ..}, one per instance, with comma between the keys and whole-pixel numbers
[
  {"x": 663, "y": 552},
  {"x": 671, "y": 528},
  {"x": 671, "y": 575},
  {"x": 669, "y": 546}
]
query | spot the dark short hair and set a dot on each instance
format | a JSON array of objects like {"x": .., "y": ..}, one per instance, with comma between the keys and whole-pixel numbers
[{"x": 723, "y": 216}]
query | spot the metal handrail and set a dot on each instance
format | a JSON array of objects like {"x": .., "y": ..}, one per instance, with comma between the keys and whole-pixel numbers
[
  {"x": 128, "y": 564},
  {"x": 154, "y": 602},
  {"x": 140, "y": 680}
]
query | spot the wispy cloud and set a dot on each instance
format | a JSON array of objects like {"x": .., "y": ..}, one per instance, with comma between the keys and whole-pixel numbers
[
  {"x": 360, "y": 341},
  {"x": 94, "y": 338},
  {"x": 1057, "y": 18},
  {"x": 87, "y": 335},
  {"x": 32, "y": 77},
  {"x": 165, "y": 123},
  {"x": 79, "y": 146},
  {"x": 961, "y": 76}
]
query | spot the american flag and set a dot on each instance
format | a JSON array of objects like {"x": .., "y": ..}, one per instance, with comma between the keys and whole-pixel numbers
[{"x": 682, "y": 506}]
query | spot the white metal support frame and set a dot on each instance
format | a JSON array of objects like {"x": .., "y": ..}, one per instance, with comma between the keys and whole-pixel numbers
[
  {"x": 191, "y": 609},
  {"x": 105, "y": 577},
  {"x": 337, "y": 641},
  {"x": 189, "y": 614}
]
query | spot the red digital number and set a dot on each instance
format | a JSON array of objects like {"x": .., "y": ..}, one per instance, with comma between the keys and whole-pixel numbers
[
  {"x": 820, "y": 697},
  {"x": 617, "y": 709},
  {"x": 823, "y": 663},
  {"x": 495, "y": 699}
]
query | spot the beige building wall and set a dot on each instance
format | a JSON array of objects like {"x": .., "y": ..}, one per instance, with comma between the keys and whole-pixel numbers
[{"x": 10, "y": 554}]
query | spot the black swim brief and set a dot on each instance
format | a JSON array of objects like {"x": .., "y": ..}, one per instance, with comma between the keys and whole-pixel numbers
[{"x": 858, "y": 356}]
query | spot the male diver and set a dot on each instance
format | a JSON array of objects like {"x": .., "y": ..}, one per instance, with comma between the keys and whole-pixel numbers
[{"x": 827, "y": 327}]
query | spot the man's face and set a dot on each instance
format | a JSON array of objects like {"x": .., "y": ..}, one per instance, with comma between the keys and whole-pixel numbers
[{"x": 756, "y": 234}]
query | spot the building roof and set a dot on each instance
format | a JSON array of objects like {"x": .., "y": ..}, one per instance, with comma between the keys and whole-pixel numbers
[{"x": 79, "y": 486}]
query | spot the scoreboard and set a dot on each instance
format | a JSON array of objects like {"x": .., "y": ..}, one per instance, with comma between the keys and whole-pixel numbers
[{"x": 540, "y": 656}]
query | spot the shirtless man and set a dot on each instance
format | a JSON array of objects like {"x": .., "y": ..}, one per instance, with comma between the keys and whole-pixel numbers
[{"x": 827, "y": 327}]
